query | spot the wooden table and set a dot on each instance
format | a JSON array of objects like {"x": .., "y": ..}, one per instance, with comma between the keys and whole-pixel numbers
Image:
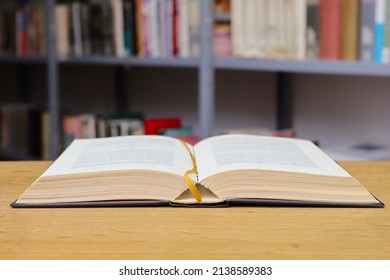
[{"x": 183, "y": 233}]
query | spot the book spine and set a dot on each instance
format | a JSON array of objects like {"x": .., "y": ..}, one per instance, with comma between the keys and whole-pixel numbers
[
  {"x": 194, "y": 22},
  {"x": 237, "y": 27},
  {"x": 76, "y": 21},
  {"x": 299, "y": 35},
  {"x": 62, "y": 24},
  {"x": 367, "y": 30},
  {"x": 312, "y": 29},
  {"x": 386, "y": 36},
  {"x": 330, "y": 27},
  {"x": 154, "y": 28},
  {"x": 349, "y": 29},
  {"x": 169, "y": 27},
  {"x": 140, "y": 34},
  {"x": 380, "y": 6},
  {"x": 175, "y": 28},
  {"x": 251, "y": 24},
  {"x": 118, "y": 27},
  {"x": 184, "y": 50}
]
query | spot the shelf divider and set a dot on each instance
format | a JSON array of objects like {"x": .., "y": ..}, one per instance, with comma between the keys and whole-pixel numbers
[
  {"x": 206, "y": 105},
  {"x": 52, "y": 80}
]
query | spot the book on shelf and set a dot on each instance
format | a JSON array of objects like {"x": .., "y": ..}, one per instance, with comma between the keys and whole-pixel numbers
[
  {"x": 22, "y": 28},
  {"x": 330, "y": 29},
  {"x": 269, "y": 29},
  {"x": 386, "y": 36},
  {"x": 21, "y": 126},
  {"x": 218, "y": 171},
  {"x": 222, "y": 33},
  {"x": 163, "y": 28},
  {"x": 350, "y": 29},
  {"x": 367, "y": 30},
  {"x": 89, "y": 125},
  {"x": 155, "y": 125},
  {"x": 312, "y": 29},
  {"x": 380, "y": 15}
]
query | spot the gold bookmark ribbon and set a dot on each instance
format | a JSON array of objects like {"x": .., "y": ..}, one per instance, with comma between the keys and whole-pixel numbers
[{"x": 194, "y": 190}]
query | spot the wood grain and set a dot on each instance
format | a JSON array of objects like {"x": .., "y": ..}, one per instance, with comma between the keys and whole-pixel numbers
[{"x": 194, "y": 233}]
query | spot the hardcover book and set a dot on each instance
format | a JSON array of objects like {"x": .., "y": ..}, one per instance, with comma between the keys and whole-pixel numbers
[{"x": 218, "y": 171}]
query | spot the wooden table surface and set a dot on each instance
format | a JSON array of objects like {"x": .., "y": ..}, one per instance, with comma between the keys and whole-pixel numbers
[{"x": 194, "y": 233}]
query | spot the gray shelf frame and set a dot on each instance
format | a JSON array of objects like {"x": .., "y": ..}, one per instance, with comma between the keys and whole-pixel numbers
[
  {"x": 354, "y": 68},
  {"x": 132, "y": 61},
  {"x": 23, "y": 60},
  {"x": 53, "y": 95}
]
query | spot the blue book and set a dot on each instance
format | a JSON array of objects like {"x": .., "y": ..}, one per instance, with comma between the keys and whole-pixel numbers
[{"x": 379, "y": 29}]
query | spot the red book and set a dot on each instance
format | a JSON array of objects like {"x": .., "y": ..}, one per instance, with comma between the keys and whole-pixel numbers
[
  {"x": 152, "y": 126},
  {"x": 330, "y": 29}
]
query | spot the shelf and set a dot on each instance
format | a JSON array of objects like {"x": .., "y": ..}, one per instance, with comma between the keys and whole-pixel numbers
[
  {"x": 311, "y": 67},
  {"x": 22, "y": 59},
  {"x": 6, "y": 155},
  {"x": 132, "y": 61}
]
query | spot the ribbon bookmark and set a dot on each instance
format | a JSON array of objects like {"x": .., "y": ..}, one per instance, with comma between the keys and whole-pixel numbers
[{"x": 194, "y": 190}]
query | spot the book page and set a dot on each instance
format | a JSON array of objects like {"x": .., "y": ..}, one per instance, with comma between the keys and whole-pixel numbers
[
  {"x": 231, "y": 152},
  {"x": 158, "y": 153}
]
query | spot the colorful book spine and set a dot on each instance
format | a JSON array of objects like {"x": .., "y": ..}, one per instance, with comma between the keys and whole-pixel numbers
[
  {"x": 330, "y": 29},
  {"x": 349, "y": 29},
  {"x": 380, "y": 6}
]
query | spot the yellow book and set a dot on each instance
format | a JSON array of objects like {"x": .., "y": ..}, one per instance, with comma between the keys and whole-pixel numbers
[{"x": 218, "y": 171}]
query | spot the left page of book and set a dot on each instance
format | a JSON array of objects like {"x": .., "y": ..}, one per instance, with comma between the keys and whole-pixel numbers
[
  {"x": 128, "y": 169},
  {"x": 157, "y": 153}
]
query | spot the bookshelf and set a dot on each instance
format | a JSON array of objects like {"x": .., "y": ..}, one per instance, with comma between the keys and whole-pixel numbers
[{"x": 206, "y": 65}]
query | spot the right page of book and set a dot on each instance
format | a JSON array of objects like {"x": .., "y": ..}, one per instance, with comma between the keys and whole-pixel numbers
[
  {"x": 231, "y": 152},
  {"x": 256, "y": 168}
]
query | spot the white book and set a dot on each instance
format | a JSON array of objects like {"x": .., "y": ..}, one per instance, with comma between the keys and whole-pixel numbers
[
  {"x": 118, "y": 27},
  {"x": 76, "y": 22},
  {"x": 154, "y": 28},
  {"x": 62, "y": 30},
  {"x": 238, "y": 30},
  {"x": 184, "y": 36},
  {"x": 300, "y": 22},
  {"x": 251, "y": 18}
]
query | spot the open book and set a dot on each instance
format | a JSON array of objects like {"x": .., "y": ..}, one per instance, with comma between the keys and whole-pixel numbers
[{"x": 221, "y": 170}]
